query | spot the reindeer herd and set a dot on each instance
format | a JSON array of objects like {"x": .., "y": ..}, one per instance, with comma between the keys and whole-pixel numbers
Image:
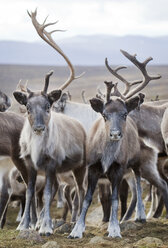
[{"x": 111, "y": 142}]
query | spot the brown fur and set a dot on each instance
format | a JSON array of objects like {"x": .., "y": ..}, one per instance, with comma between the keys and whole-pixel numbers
[
  {"x": 148, "y": 120},
  {"x": 10, "y": 127}
]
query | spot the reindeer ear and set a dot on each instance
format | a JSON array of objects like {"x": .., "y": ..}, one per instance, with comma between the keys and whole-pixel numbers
[
  {"x": 141, "y": 98},
  {"x": 54, "y": 96},
  {"x": 134, "y": 102},
  {"x": 97, "y": 105},
  {"x": 20, "y": 97}
]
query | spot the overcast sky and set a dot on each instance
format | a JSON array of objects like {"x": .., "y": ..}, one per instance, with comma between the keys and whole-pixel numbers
[{"x": 85, "y": 17}]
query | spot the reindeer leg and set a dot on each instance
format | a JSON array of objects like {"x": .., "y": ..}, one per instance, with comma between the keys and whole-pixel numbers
[
  {"x": 115, "y": 175},
  {"x": 154, "y": 202},
  {"x": 3, "y": 220},
  {"x": 105, "y": 198},
  {"x": 156, "y": 180},
  {"x": 159, "y": 202},
  {"x": 94, "y": 173},
  {"x": 21, "y": 210},
  {"x": 140, "y": 210},
  {"x": 5, "y": 194},
  {"x": 60, "y": 202},
  {"x": 159, "y": 208},
  {"x": 39, "y": 201},
  {"x": 132, "y": 187},
  {"x": 150, "y": 172},
  {"x": 33, "y": 212},
  {"x": 123, "y": 193},
  {"x": 75, "y": 207},
  {"x": 41, "y": 215},
  {"x": 140, "y": 213},
  {"x": 79, "y": 175},
  {"x": 67, "y": 196},
  {"x": 46, "y": 226},
  {"x": 32, "y": 174},
  {"x": 65, "y": 212}
]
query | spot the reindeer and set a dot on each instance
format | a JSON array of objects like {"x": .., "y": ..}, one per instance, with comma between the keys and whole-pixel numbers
[
  {"x": 49, "y": 141},
  {"x": 72, "y": 110},
  {"x": 46, "y": 36},
  {"x": 150, "y": 120},
  {"x": 52, "y": 143},
  {"x": 10, "y": 128},
  {"x": 114, "y": 145},
  {"x": 5, "y": 102},
  {"x": 18, "y": 192}
]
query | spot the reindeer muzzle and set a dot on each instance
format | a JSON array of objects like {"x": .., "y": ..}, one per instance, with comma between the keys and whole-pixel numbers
[
  {"x": 39, "y": 129},
  {"x": 115, "y": 135}
]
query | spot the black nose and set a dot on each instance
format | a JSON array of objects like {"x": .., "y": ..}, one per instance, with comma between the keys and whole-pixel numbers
[
  {"x": 3, "y": 108},
  {"x": 115, "y": 134},
  {"x": 39, "y": 128}
]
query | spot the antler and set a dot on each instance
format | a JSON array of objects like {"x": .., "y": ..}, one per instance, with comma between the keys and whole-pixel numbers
[
  {"x": 100, "y": 94},
  {"x": 128, "y": 85},
  {"x": 21, "y": 87},
  {"x": 47, "y": 77},
  {"x": 116, "y": 92},
  {"x": 83, "y": 97},
  {"x": 109, "y": 86},
  {"x": 69, "y": 95},
  {"x": 141, "y": 83},
  {"x": 46, "y": 36}
]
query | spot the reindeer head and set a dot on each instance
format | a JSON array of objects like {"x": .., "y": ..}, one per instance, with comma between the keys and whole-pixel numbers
[
  {"x": 38, "y": 105},
  {"x": 116, "y": 109},
  {"x": 5, "y": 102},
  {"x": 115, "y": 113},
  {"x": 61, "y": 103}
]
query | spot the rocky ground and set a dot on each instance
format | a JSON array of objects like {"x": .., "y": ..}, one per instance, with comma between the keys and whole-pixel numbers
[{"x": 154, "y": 233}]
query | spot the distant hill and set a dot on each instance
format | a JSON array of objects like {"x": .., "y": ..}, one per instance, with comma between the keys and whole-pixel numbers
[{"x": 85, "y": 50}]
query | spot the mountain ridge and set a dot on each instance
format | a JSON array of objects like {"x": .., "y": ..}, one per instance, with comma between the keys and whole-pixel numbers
[{"x": 85, "y": 50}]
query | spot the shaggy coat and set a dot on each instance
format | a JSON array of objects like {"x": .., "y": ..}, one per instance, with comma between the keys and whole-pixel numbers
[
  {"x": 55, "y": 143},
  {"x": 51, "y": 142}
]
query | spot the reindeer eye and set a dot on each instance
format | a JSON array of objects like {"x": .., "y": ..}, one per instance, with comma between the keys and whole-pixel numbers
[
  {"x": 47, "y": 107},
  {"x": 124, "y": 115}
]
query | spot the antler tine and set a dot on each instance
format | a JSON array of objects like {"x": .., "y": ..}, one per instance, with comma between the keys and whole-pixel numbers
[
  {"x": 109, "y": 86},
  {"x": 100, "y": 94},
  {"x": 21, "y": 87},
  {"x": 142, "y": 68},
  {"x": 18, "y": 85},
  {"x": 47, "y": 77},
  {"x": 46, "y": 36},
  {"x": 99, "y": 97},
  {"x": 83, "y": 97},
  {"x": 117, "y": 93},
  {"x": 69, "y": 95},
  {"x": 128, "y": 85}
]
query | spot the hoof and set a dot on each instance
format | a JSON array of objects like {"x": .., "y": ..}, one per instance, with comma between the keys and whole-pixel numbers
[
  {"x": 140, "y": 220},
  {"x": 47, "y": 234},
  {"x": 115, "y": 237},
  {"x": 71, "y": 237}
]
